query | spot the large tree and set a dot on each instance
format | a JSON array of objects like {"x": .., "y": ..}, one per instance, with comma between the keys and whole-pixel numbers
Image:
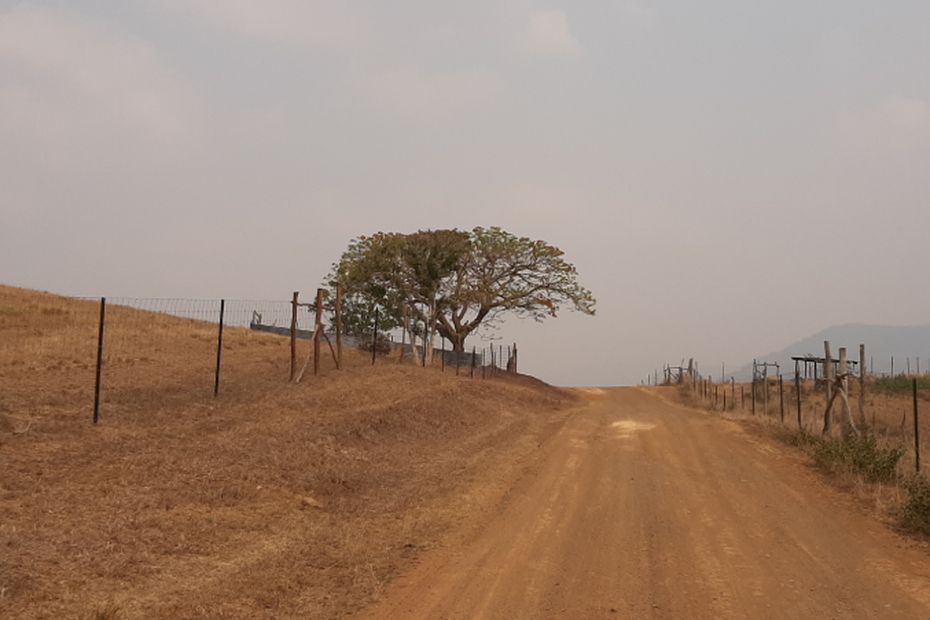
[{"x": 454, "y": 282}]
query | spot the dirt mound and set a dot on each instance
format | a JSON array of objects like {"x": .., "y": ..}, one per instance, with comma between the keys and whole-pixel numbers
[{"x": 273, "y": 500}]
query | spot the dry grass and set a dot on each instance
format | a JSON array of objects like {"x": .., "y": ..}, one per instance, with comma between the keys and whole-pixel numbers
[
  {"x": 275, "y": 500},
  {"x": 887, "y": 418}
]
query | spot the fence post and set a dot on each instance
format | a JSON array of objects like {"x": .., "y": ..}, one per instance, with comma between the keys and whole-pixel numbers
[
  {"x": 442, "y": 361},
  {"x": 753, "y": 392},
  {"x": 828, "y": 378},
  {"x": 317, "y": 328},
  {"x": 294, "y": 335},
  {"x": 427, "y": 342},
  {"x": 916, "y": 432},
  {"x": 103, "y": 311},
  {"x": 781, "y": 397},
  {"x": 403, "y": 335},
  {"x": 797, "y": 387},
  {"x": 473, "y": 362},
  {"x": 374, "y": 339},
  {"x": 862, "y": 385},
  {"x": 219, "y": 350},
  {"x": 338, "y": 327}
]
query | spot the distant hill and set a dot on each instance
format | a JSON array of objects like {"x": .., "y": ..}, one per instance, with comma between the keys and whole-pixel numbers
[{"x": 881, "y": 343}]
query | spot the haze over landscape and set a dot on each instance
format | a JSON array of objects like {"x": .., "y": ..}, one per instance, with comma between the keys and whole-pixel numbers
[{"x": 728, "y": 177}]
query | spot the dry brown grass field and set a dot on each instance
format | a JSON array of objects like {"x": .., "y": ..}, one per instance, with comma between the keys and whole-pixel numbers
[
  {"x": 274, "y": 500},
  {"x": 886, "y": 415}
]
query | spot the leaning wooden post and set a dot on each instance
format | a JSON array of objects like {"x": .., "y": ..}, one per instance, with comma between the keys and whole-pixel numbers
[
  {"x": 317, "y": 329},
  {"x": 828, "y": 379},
  {"x": 339, "y": 327},
  {"x": 916, "y": 432},
  {"x": 843, "y": 387},
  {"x": 294, "y": 335},
  {"x": 100, "y": 327}
]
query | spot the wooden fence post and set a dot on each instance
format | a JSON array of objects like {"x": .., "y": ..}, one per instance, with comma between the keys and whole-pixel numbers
[
  {"x": 403, "y": 334},
  {"x": 473, "y": 362},
  {"x": 339, "y": 327},
  {"x": 442, "y": 361},
  {"x": 828, "y": 380},
  {"x": 916, "y": 432},
  {"x": 374, "y": 339},
  {"x": 781, "y": 397},
  {"x": 862, "y": 384},
  {"x": 797, "y": 387},
  {"x": 317, "y": 329},
  {"x": 294, "y": 335}
]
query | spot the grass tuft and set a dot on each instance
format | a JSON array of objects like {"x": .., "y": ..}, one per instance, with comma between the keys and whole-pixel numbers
[
  {"x": 858, "y": 455},
  {"x": 915, "y": 511}
]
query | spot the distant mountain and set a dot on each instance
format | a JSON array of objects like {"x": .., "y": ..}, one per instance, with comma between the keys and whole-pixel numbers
[{"x": 881, "y": 343}]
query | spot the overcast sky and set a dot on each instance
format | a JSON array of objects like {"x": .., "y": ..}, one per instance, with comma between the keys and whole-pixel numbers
[{"x": 728, "y": 176}]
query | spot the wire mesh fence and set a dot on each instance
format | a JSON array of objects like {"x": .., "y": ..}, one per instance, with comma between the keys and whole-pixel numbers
[{"x": 166, "y": 352}]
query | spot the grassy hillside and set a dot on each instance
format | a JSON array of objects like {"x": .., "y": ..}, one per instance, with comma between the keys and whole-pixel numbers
[{"x": 274, "y": 500}]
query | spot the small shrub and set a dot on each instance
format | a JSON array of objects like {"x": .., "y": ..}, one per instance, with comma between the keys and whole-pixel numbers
[
  {"x": 915, "y": 512},
  {"x": 860, "y": 455}
]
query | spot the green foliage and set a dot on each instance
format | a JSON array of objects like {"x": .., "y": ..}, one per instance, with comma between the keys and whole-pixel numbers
[
  {"x": 915, "y": 512},
  {"x": 454, "y": 281},
  {"x": 861, "y": 455},
  {"x": 899, "y": 384}
]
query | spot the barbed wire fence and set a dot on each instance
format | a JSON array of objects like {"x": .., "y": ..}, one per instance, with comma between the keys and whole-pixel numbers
[{"x": 893, "y": 407}]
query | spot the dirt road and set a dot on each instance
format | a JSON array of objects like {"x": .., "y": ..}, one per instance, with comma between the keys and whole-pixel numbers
[{"x": 642, "y": 509}]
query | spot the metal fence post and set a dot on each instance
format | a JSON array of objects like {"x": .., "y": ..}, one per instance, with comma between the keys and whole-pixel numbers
[
  {"x": 103, "y": 311},
  {"x": 219, "y": 350}
]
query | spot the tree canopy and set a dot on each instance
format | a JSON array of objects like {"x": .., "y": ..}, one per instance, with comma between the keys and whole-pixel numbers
[{"x": 452, "y": 282}]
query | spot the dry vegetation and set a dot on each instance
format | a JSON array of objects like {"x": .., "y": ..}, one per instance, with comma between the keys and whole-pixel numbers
[
  {"x": 879, "y": 467},
  {"x": 274, "y": 500}
]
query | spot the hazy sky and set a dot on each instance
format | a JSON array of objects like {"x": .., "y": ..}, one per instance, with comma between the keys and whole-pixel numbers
[{"x": 728, "y": 176}]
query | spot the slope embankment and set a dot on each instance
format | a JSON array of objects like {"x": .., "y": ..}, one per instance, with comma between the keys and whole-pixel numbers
[{"x": 274, "y": 500}]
